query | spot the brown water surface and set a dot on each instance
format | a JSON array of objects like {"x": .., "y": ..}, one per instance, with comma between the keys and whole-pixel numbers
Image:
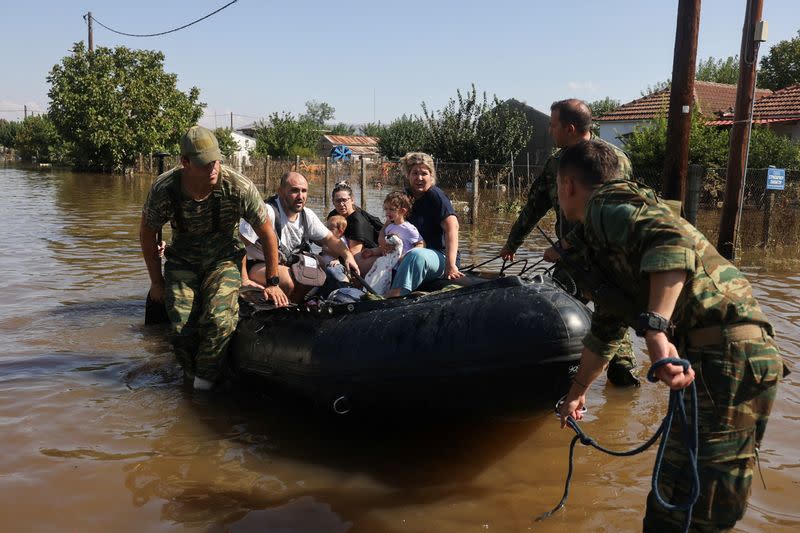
[{"x": 98, "y": 434}]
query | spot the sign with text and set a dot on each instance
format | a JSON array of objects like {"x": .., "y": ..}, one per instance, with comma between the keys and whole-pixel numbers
[{"x": 776, "y": 179}]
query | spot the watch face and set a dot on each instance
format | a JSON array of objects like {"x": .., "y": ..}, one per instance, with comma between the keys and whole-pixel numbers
[{"x": 274, "y": 281}]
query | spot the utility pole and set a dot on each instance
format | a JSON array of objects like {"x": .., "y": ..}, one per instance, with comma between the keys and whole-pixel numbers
[
  {"x": 91, "y": 36},
  {"x": 681, "y": 101},
  {"x": 24, "y": 112},
  {"x": 231, "y": 120},
  {"x": 753, "y": 32}
]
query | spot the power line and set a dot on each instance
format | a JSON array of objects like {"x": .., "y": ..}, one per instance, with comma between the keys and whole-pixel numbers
[{"x": 163, "y": 32}]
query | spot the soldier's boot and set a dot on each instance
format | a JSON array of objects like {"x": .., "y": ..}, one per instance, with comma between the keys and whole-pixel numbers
[{"x": 622, "y": 374}]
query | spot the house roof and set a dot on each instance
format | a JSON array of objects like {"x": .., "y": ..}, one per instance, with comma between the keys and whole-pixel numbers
[
  {"x": 712, "y": 99},
  {"x": 782, "y": 104},
  {"x": 352, "y": 140}
]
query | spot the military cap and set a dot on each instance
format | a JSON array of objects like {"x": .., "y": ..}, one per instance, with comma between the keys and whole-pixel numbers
[{"x": 200, "y": 146}]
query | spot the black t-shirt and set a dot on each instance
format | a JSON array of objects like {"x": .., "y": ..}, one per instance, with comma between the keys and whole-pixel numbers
[
  {"x": 362, "y": 227},
  {"x": 427, "y": 214}
]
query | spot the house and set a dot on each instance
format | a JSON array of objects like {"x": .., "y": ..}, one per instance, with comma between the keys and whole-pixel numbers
[
  {"x": 246, "y": 143},
  {"x": 712, "y": 100},
  {"x": 360, "y": 145},
  {"x": 780, "y": 111},
  {"x": 540, "y": 144}
]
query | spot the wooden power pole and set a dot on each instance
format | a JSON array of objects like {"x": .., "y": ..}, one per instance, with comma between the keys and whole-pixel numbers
[
  {"x": 681, "y": 101},
  {"x": 740, "y": 131},
  {"x": 91, "y": 36}
]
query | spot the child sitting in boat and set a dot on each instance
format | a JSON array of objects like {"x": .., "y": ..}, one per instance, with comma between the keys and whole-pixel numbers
[
  {"x": 337, "y": 224},
  {"x": 397, "y": 238}
]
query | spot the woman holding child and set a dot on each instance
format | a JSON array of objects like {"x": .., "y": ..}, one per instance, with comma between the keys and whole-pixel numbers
[
  {"x": 434, "y": 217},
  {"x": 362, "y": 228}
]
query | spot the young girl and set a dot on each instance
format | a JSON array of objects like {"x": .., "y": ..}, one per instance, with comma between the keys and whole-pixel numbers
[{"x": 396, "y": 206}]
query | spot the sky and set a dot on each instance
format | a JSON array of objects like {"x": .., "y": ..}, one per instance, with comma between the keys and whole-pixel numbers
[{"x": 374, "y": 61}]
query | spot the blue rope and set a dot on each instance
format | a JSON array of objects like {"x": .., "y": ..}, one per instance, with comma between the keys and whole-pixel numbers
[{"x": 690, "y": 439}]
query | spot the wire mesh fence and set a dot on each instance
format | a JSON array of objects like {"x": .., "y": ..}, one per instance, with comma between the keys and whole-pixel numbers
[{"x": 502, "y": 190}]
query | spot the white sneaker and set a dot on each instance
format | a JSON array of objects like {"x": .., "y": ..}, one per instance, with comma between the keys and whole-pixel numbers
[{"x": 202, "y": 384}]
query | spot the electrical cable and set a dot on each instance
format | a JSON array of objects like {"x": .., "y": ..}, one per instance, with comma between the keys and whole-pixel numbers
[{"x": 163, "y": 32}]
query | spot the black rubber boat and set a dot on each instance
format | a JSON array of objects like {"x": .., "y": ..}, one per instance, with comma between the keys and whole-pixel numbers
[{"x": 488, "y": 341}]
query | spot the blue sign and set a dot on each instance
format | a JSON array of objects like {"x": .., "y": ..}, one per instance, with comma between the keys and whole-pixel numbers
[{"x": 776, "y": 179}]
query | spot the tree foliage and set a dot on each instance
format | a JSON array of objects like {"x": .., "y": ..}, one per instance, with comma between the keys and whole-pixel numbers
[
  {"x": 8, "y": 132},
  {"x": 403, "y": 135},
  {"x": 768, "y": 148},
  {"x": 780, "y": 68},
  {"x": 37, "y": 139},
  {"x": 602, "y": 107},
  {"x": 342, "y": 129},
  {"x": 646, "y": 146},
  {"x": 373, "y": 129},
  {"x": 656, "y": 87},
  {"x": 718, "y": 70},
  {"x": 112, "y": 104},
  {"x": 284, "y": 135},
  {"x": 227, "y": 144},
  {"x": 472, "y": 127},
  {"x": 318, "y": 112}
]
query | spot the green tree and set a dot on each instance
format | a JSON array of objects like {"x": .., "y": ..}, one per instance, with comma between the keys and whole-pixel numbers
[
  {"x": 656, "y": 87},
  {"x": 718, "y": 70},
  {"x": 286, "y": 136},
  {"x": 342, "y": 129},
  {"x": 403, "y": 135},
  {"x": 318, "y": 112},
  {"x": 113, "y": 104},
  {"x": 781, "y": 66},
  {"x": 373, "y": 129},
  {"x": 646, "y": 146},
  {"x": 469, "y": 127},
  {"x": 768, "y": 148},
  {"x": 8, "y": 132},
  {"x": 602, "y": 107},
  {"x": 37, "y": 138},
  {"x": 227, "y": 145}
]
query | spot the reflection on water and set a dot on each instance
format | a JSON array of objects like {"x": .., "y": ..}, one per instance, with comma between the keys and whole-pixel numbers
[{"x": 99, "y": 433}]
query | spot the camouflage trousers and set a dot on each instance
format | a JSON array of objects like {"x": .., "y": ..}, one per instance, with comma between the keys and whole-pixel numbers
[
  {"x": 736, "y": 386},
  {"x": 203, "y": 308},
  {"x": 623, "y": 358}
]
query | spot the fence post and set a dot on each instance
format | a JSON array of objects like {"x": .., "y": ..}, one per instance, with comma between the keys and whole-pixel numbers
[
  {"x": 476, "y": 186},
  {"x": 327, "y": 183},
  {"x": 363, "y": 183},
  {"x": 769, "y": 203},
  {"x": 297, "y": 163},
  {"x": 266, "y": 175},
  {"x": 695, "y": 178}
]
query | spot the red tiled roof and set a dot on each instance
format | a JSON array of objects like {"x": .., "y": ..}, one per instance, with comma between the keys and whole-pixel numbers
[
  {"x": 352, "y": 140},
  {"x": 711, "y": 99},
  {"x": 782, "y": 104}
]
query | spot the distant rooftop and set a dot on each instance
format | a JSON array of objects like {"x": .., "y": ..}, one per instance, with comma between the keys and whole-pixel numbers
[{"x": 712, "y": 100}]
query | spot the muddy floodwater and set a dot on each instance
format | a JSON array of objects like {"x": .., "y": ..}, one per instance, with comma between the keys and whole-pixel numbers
[{"x": 98, "y": 433}]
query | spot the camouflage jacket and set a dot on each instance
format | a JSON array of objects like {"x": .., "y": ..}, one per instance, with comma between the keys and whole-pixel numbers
[
  {"x": 627, "y": 233},
  {"x": 207, "y": 231},
  {"x": 543, "y": 196}
]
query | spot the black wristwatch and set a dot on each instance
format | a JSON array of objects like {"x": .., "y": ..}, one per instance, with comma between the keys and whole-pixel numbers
[
  {"x": 650, "y": 321},
  {"x": 274, "y": 281}
]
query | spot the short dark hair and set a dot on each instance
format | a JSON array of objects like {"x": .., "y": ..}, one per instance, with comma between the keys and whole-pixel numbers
[
  {"x": 398, "y": 200},
  {"x": 590, "y": 162},
  {"x": 575, "y": 112}
]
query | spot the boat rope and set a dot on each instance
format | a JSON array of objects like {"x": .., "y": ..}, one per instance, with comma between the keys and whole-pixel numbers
[{"x": 690, "y": 437}]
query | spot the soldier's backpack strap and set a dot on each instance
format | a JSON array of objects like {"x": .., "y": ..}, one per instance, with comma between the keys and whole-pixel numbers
[
  {"x": 284, "y": 253},
  {"x": 174, "y": 191}
]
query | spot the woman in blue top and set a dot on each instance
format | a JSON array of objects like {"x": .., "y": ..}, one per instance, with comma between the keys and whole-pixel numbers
[{"x": 434, "y": 216}]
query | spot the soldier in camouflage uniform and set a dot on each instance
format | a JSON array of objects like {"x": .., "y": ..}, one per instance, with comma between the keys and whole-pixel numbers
[
  {"x": 658, "y": 268},
  {"x": 203, "y": 200},
  {"x": 570, "y": 123}
]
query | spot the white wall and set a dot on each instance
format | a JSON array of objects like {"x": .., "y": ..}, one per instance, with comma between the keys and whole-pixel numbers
[
  {"x": 610, "y": 131},
  {"x": 241, "y": 157}
]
